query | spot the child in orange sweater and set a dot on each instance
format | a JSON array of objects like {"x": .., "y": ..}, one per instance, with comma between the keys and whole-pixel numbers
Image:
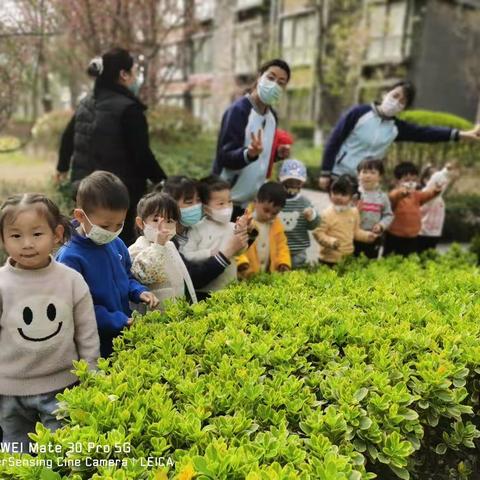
[
  {"x": 269, "y": 252},
  {"x": 402, "y": 235},
  {"x": 340, "y": 224}
]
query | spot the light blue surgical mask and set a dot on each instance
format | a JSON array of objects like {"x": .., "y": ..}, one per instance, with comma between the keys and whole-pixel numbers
[
  {"x": 268, "y": 90},
  {"x": 189, "y": 216},
  {"x": 135, "y": 86}
]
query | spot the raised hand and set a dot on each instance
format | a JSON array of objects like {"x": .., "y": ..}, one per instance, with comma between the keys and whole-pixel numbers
[
  {"x": 163, "y": 233},
  {"x": 256, "y": 145},
  {"x": 237, "y": 242},
  {"x": 309, "y": 214},
  {"x": 473, "y": 134},
  {"x": 324, "y": 183},
  {"x": 283, "y": 152}
]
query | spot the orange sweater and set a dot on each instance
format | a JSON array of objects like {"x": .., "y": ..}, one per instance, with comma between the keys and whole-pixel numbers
[{"x": 407, "y": 220}]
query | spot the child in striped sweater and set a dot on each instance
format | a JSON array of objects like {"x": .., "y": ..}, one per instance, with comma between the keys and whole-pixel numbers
[{"x": 298, "y": 215}]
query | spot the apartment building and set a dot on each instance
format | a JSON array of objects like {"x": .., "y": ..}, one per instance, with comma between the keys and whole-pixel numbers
[{"x": 215, "y": 59}]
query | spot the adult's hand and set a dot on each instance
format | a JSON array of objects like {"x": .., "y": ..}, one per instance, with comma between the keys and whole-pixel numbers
[
  {"x": 283, "y": 152},
  {"x": 256, "y": 145},
  {"x": 471, "y": 135},
  {"x": 324, "y": 183}
]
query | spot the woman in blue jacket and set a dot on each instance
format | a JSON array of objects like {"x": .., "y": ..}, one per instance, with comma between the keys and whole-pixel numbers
[
  {"x": 247, "y": 135},
  {"x": 369, "y": 130}
]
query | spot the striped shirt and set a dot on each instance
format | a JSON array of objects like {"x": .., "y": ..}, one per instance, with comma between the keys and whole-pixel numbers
[{"x": 296, "y": 225}]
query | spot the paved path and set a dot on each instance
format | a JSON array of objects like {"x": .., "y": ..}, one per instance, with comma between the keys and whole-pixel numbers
[{"x": 320, "y": 201}]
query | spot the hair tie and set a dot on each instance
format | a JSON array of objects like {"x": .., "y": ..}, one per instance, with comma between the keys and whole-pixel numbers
[{"x": 97, "y": 62}]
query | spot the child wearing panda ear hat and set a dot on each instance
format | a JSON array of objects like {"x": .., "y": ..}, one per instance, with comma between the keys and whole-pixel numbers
[{"x": 298, "y": 216}]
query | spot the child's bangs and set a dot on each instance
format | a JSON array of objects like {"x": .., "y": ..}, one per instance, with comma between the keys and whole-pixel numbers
[{"x": 159, "y": 204}]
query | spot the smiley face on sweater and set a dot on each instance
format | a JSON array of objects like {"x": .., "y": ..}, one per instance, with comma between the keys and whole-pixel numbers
[
  {"x": 289, "y": 220},
  {"x": 28, "y": 315},
  {"x": 39, "y": 319}
]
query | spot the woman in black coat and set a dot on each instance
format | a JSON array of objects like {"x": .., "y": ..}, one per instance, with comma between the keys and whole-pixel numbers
[{"x": 109, "y": 131}]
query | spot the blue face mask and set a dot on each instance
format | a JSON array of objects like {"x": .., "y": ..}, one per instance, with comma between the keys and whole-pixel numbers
[
  {"x": 269, "y": 91},
  {"x": 135, "y": 86},
  {"x": 189, "y": 216}
]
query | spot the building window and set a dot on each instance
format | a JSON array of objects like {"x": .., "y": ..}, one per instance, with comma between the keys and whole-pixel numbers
[
  {"x": 386, "y": 24},
  {"x": 171, "y": 62},
  {"x": 202, "y": 54},
  {"x": 172, "y": 101},
  {"x": 246, "y": 50},
  {"x": 244, "y": 4},
  {"x": 204, "y": 9},
  {"x": 173, "y": 12},
  {"x": 298, "y": 40}
]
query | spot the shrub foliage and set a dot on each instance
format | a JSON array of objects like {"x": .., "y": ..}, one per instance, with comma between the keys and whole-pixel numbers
[{"x": 349, "y": 374}]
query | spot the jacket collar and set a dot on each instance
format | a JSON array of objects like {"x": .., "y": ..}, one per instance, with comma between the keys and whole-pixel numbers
[{"x": 120, "y": 89}]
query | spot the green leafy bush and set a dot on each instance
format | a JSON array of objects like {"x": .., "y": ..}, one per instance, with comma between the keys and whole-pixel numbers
[
  {"x": 439, "y": 119},
  {"x": 475, "y": 247},
  {"x": 303, "y": 130},
  {"x": 173, "y": 124},
  {"x": 462, "y": 218},
  {"x": 48, "y": 129},
  {"x": 9, "y": 143},
  {"x": 422, "y": 153},
  {"x": 370, "y": 371},
  {"x": 186, "y": 157}
]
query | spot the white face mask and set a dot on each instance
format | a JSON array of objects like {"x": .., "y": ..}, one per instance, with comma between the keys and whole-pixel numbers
[
  {"x": 341, "y": 208},
  {"x": 409, "y": 185},
  {"x": 390, "y": 106},
  {"x": 268, "y": 90},
  {"x": 150, "y": 232},
  {"x": 100, "y": 235},
  {"x": 220, "y": 215}
]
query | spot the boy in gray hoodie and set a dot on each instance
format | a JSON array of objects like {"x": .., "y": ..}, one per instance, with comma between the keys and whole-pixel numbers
[{"x": 374, "y": 205}]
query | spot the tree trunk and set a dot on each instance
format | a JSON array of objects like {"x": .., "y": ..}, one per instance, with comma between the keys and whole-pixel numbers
[
  {"x": 223, "y": 61},
  {"x": 322, "y": 14}
]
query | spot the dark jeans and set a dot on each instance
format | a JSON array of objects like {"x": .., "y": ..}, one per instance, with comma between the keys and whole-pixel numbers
[
  {"x": 400, "y": 245},
  {"x": 328, "y": 264},
  {"x": 427, "y": 243},
  {"x": 370, "y": 250}
]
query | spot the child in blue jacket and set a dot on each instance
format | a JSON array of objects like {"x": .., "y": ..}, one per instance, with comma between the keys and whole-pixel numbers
[{"x": 101, "y": 257}]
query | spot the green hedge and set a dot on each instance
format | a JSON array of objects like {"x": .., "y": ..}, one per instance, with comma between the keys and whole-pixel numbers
[
  {"x": 172, "y": 124},
  {"x": 48, "y": 128},
  {"x": 368, "y": 370},
  {"x": 462, "y": 218},
  {"x": 465, "y": 153},
  {"x": 303, "y": 130}
]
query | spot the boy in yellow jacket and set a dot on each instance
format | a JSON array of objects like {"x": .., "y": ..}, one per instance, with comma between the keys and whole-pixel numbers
[
  {"x": 269, "y": 252},
  {"x": 340, "y": 224}
]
